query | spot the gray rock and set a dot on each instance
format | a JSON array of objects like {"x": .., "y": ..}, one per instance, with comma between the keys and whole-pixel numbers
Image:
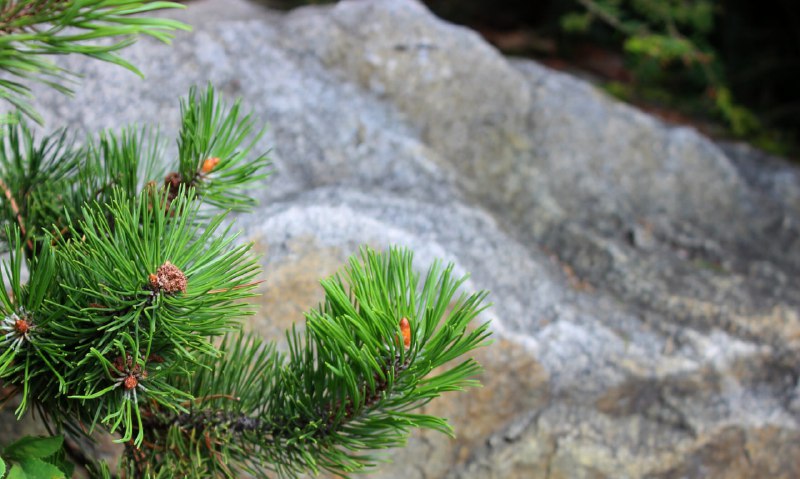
[{"x": 644, "y": 278}]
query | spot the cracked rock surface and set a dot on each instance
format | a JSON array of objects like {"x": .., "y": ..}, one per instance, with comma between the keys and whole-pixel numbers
[{"x": 644, "y": 279}]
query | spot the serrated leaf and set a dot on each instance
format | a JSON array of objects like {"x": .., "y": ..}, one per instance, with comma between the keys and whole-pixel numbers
[
  {"x": 30, "y": 447},
  {"x": 38, "y": 469}
]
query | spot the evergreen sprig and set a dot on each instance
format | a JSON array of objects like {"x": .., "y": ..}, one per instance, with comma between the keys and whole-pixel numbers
[
  {"x": 32, "y": 29},
  {"x": 29, "y": 356},
  {"x": 45, "y": 182},
  {"x": 129, "y": 318},
  {"x": 99, "y": 234},
  {"x": 34, "y": 176},
  {"x": 209, "y": 151},
  {"x": 140, "y": 270},
  {"x": 346, "y": 387}
]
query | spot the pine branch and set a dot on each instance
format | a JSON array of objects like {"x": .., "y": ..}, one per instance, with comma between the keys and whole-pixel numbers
[
  {"x": 131, "y": 281},
  {"x": 31, "y": 29},
  {"x": 346, "y": 386},
  {"x": 130, "y": 290},
  {"x": 27, "y": 349},
  {"x": 204, "y": 420},
  {"x": 46, "y": 182},
  {"x": 213, "y": 151},
  {"x": 34, "y": 176},
  {"x": 106, "y": 315}
]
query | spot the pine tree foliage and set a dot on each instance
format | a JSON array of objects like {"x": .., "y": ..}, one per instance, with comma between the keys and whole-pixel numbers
[
  {"x": 129, "y": 319},
  {"x": 116, "y": 273},
  {"x": 32, "y": 29},
  {"x": 347, "y": 386},
  {"x": 659, "y": 34}
]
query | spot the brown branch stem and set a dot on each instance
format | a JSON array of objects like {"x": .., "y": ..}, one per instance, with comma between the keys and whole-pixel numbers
[
  {"x": 14, "y": 11},
  {"x": 15, "y": 209}
]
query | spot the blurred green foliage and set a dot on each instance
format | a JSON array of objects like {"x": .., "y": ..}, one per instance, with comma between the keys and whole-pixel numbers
[
  {"x": 35, "y": 458},
  {"x": 660, "y": 36},
  {"x": 671, "y": 48}
]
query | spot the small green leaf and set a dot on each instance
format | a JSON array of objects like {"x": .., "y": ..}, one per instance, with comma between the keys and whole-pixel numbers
[
  {"x": 30, "y": 447},
  {"x": 577, "y": 22},
  {"x": 16, "y": 472},
  {"x": 39, "y": 469},
  {"x": 2, "y": 467},
  {"x": 61, "y": 462}
]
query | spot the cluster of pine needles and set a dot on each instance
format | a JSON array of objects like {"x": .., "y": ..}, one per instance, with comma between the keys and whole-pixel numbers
[{"x": 126, "y": 289}]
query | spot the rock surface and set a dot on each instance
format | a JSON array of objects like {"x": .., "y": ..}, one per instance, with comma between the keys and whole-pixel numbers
[{"x": 645, "y": 279}]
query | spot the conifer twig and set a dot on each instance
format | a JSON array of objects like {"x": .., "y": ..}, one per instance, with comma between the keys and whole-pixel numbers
[
  {"x": 31, "y": 29},
  {"x": 15, "y": 11},
  {"x": 116, "y": 326}
]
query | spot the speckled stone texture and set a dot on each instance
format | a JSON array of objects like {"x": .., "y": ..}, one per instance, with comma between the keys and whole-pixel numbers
[{"x": 644, "y": 279}]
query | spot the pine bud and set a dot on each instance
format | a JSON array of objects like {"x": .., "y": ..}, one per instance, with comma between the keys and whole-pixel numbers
[
  {"x": 405, "y": 329},
  {"x": 209, "y": 164},
  {"x": 130, "y": 382},
  {"x": 22, "y": 326}
]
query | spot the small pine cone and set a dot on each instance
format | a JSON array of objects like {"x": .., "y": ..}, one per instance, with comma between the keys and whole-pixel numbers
[
  {"x": 169, "y": 278},
  {"x": 172, "y": 182}
]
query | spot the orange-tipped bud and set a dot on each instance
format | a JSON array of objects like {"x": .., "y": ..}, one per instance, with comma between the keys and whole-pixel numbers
[
  {"x": 209, "y": 164},
  {"x": 130, "y": 382},
  {"x": 22, "y": 326},
  {"x": 405, "y": 329}
]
